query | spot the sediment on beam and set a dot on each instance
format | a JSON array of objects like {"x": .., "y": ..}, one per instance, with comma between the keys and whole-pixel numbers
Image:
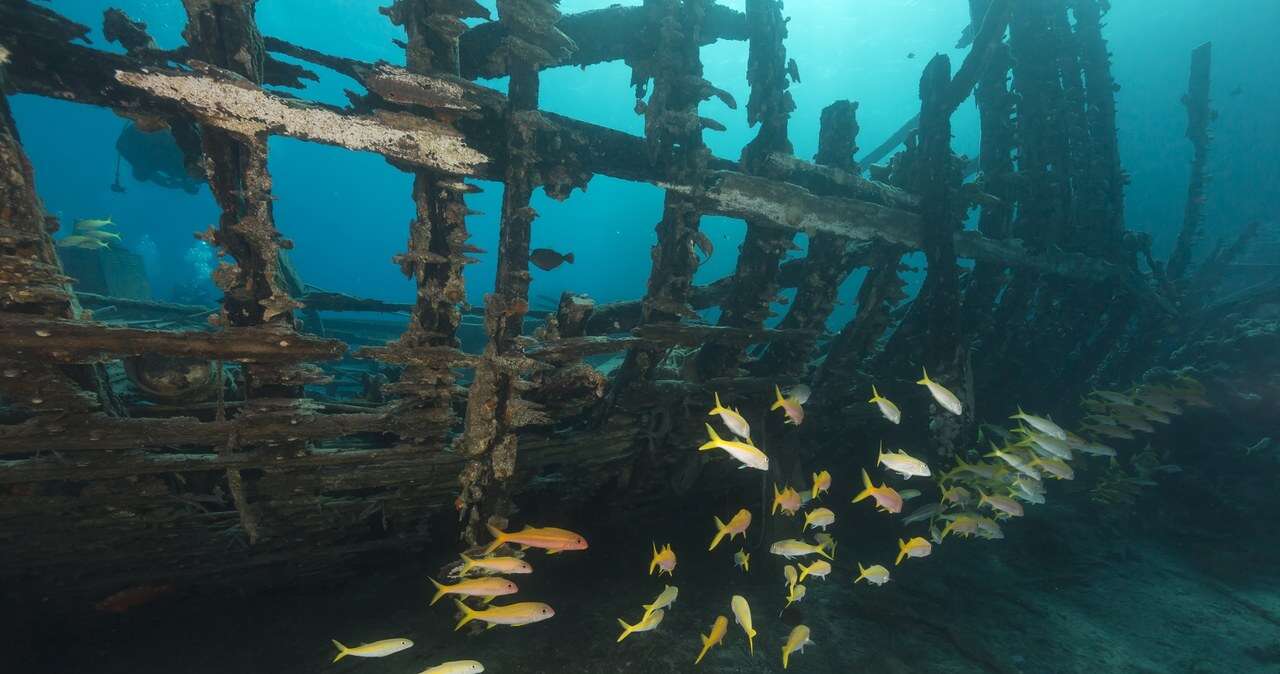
[{"x": 67, "y": 341}]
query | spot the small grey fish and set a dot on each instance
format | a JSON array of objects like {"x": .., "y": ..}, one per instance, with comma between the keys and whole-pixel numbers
[{"x": 547, "y": 259}]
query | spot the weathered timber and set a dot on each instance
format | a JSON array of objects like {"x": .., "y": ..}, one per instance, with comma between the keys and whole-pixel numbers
[
  {"x": 80, "y": 73},
  {"x": 68, "y": 341},
  {"x": 891, "y": 143},
  {"x": 600, "y": 35},
  {"x": 830, "y": 259},
  {"x": 1102, "y": 194},
  {"x": 101, "y": 432},
  {"x": 1199, "y": 115},
  {"x": 685, "y": 334},
  {"x": 675, "y": 67},
  {"x": 494, "y": 410},
  {"x": 995, "y": 156},
  {"x": 754, "y": 285}
]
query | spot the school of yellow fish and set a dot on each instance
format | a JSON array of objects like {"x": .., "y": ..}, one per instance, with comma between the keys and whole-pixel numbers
[{"x": 973, "y": 499}]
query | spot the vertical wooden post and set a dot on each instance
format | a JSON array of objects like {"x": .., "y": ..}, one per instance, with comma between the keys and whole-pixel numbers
[
  {"x": 829, "y": 260},
  {"x": 489, "y": 441},
  {"x": 438, "y": 232},
  {"x": 225, "y": 33},
  {"x": 1196, "y": 101},
  {"x": 675, "y": 66},
  {"x": 755, "y": 278},
  {"x": 937, "y": 180},
  {"x": 32, "y": 282}
]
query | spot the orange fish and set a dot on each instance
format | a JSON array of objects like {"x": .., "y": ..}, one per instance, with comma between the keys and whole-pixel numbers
[
  {"x": 549, "y": 538},
  {"x": 131, "y": 597}
]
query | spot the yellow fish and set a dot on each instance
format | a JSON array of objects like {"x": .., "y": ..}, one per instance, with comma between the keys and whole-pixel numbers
[
  {"x": 963, "y": 524},
  {"x": 515, "y": 615},
  {"x": 476, "y": 587},
  {"x": 94, "y": 224},
  {"x": 742, "y": 616},
  {"x": 916, "y": 547},
  {"x": 902, "y": 463},
  {"x": 789, "y": 572},
  {"x": 821, "y": 483},
  {"x": 376, "y": 649},
  {"x": 887, "y": 498},
  {"x": 746, "y": 453},
  {"x": 663, "y": 560},
  {"x": 1003, "y": 504},
  {"x": 798, "y": 639},
  {"x": 889, "y": 410},
  {"x": 874, "y": 574},
  {"x": 819, "y": 518},
  {"x": 737, "y": 525},
  {"x": 787, "y": 499},
  {"x": 796, "y": 593},
  {"x": 827, "y": 541},
  {"x": 549, "y": 538},
  {"x": 665, "y": 598},
  {"x": 649, "y": 622},
  {"x": 734, "y": 421},
  {"x": 945, "y": 398},
  {"x": 818, "y": 569},
  {"x": 792, "y": 407},
  {"x": 793, "y": 548},
  {"x": 718, "y": 629},
  {"x": 1041, "y": 424},
  {"x": 102, "y": 235},
  {"x": 456, "y": 667},
  {"x": 1055, "y": 467},
  {"x": 80, "y": 241},
  {"x": 742, "y": 560},
  {"x": 493, "y": 565}
]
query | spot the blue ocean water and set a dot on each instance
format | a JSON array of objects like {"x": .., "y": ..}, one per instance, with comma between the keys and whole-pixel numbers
[
  {"x": 1183, "y": 582},
  {"x": 347, "y": 213}
]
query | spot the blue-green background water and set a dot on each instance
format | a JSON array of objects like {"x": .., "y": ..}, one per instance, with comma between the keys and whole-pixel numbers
[{"x": 347, "y": 213}]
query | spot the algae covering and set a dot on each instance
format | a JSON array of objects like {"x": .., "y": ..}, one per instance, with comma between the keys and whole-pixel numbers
[{"x": 922, "y": 412}]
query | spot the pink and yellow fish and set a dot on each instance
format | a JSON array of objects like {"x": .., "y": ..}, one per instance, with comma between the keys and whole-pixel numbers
[
  {"x": 791, "y": 406},
  {"x": 548, "y": 538},
  {"x": 887, "y": 498},
  {"x": 664, "y": 560}
]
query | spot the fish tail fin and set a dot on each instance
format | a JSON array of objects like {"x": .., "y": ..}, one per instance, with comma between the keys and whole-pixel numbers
[
  {"x": 902, "y": 552},
  {"x": 441, "y": 591},
  {"x": 1019, "y": 415},
  {"x": 718, "y": 407},
  {"x": 785, "y": 655},
  {"x": 804, "y": 571},
  {"x": 654, "y": 562},
  {"x": 343, "y": 651},
  {"x": 499, "y": 537},
  {"x": 626, "y": 630},
  {"x": 822, "y": 549},
  {"x": 706, "y": 646},
  {"x": 720, "y": 531},
  {"x": 467, "y": 614},
  {"x": 875, "y": 395},
  {"x": 925, "y": 380},
  {"x": 777, "y": 403},
  {"x": 467, "y": 564},
  {"x": 866, "y": 483},
  {"x": 776, "y": 502},
  {"x": 813, "y": 493},
  {"x": 713, "y": 442},
  {"x": 751, "y": 640},
  {"x": 568, "y": 257},
  {"x": 862, "y": 573},
  {"x": 880, "y": 454}
]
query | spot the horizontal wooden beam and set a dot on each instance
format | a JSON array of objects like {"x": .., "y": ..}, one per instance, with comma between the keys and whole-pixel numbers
[
  {"x": 103, "y": 432},
  {"x": 609, "y": 34},
  {"x": 66, "y": 341}
]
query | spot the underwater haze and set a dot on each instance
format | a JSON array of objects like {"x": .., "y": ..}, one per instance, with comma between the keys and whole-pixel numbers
[{"x": 1067, "y": 505}]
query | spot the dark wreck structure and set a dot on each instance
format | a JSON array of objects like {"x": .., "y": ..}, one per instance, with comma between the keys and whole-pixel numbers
[{"x": 142, "y": 441}]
